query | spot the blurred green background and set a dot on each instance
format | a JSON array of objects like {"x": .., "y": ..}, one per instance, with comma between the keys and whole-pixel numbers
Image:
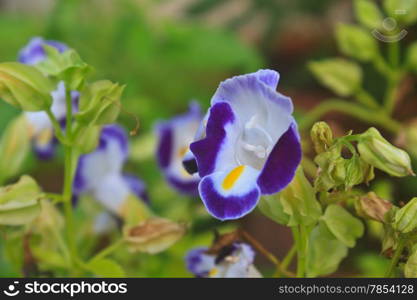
[{"x": 169, "y": 52}]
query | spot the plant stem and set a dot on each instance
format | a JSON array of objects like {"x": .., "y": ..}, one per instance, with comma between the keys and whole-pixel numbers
[
  {"x": 353, "y": 109},
  {"x": 57, "y": 127},
  {"x": 261, "y": 249},
  {"x": 108, "y": 250},
  {"x": 396, "y": 257},
  {"x": 300, "y": 239}
]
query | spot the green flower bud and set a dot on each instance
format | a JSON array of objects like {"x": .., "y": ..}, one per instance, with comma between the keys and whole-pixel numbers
[
  {"x": 372, "y": 207},
  {"x": 14, "y": 146},
  {"x": 378, "y": 152},
  {"x": 100, "y": 103},
  {"x": 24, "y": 87},
  {"x": 19, "y": 202},
  {"x": 66, "y": 66},
  {"x": 153, "y": 235},
  {"x": 357, "y": 172},
  {"x": 332, "y": 170},
  {"x": 322, "y": 136},
  {"x": 405, "y": 219}
]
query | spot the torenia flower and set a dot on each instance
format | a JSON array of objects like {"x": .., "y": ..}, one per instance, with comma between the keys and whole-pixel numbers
[
  {"x": 175, "y": 137},
  {"x": 41, "y": 129},
  {"x": 34, "y": 52},
  {"x": 250, "y": 147},
  {"x": 40, "y": 126},
  {"x": 100, "y": 173},
  {"x": 233, "y": 261}
]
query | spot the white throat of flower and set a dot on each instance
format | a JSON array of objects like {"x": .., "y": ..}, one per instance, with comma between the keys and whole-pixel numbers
[{"x": 254, "y": 144}]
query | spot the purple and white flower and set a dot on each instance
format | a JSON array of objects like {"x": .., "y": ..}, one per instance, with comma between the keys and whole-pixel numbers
[
  {"x": 100, "y": 175},
  {"x": 250, "y": 147},
  {"x": 34, "y": 52},
  {"x": 175, "y": 137},
  {"x": 40, "y": 126},
  {"x": 234, "y": 261}
]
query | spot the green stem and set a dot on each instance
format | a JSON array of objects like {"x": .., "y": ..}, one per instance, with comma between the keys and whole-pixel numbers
[
  {"x": 57, "y": 127},
  {"x": 352, "y": 109},
  {"x": 396, "y": 258},
  {"x": 289, "y": 257},
  {"x": 107, "y": 251}
]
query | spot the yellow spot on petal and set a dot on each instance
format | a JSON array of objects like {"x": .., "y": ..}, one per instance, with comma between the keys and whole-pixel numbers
[
  {"x": 182, "y": 151},
  {"x": 232, "y": 177},
  {"x": 45, "y": 137},
  {"x": 213, "y": 272}
]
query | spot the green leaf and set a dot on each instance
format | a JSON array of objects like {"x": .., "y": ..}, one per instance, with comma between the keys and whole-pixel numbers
[
  {"x": 66, "y": 66},
  {"x": 356, "y": 42},
  {"x": 368, "y": 13},
  {"x": 404, "y": 11},
  {"x": 325, "y": 252},
  {"x": 271, "y": 206},
  {"x": 299, "y": 201},
  {"x": 14, "y": 147},
  {"x": 345, "y": 227},
  {"x": 24, "y": 87},
  {"x": 106, "y": 268},
  {"x": 341, "y": 76}
]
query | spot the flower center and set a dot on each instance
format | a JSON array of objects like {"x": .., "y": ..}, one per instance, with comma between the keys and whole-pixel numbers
[{"x": 254, "y": 144}]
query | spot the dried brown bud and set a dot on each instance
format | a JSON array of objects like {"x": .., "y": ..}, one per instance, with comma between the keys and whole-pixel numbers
[
  {"x": 153, "y": 235},
  {"x": 373, "y": 207}
]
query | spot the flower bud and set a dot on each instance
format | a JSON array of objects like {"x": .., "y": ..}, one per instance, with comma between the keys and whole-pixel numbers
[
  {"x": 410, "y": 268},
  {"x": 405, "y": 219},
  {"x": 357, "y": 172},
  {"x": 332, "y": 170},
  {"x": 14, "y": 146},
  {"x": 100, "y": 103},
  {"x": 378, "y": 152},
  {"x": 24, "y": 87},
  {"x": 372, "y": 207},
  {"x": 153, "y": 235},
  {"x": 19, "y": 202},
  {"x": 322, "y": 136}
]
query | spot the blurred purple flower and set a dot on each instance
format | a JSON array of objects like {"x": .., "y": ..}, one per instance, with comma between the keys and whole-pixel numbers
[
  {"x": 100, "y": 173},
  {"x": 174, "y": 138},
  {"x": 234, "y": 261}
]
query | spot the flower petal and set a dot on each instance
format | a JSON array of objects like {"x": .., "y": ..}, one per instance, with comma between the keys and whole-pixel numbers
[
  {"x": 34, "y": 53},
  {"x": 199, "y": 263},
  {"x": 255, "y": 95},
  {"x": 112, "y": 192},
  {"x": 137, "y": 187},
  {"x": 107, "y": 159},
  {"x": 175, "y": 137},
  {"x": 217, "y": 148},
  {"x": 230, "y": 195},
  {"x": 282, "y": 163}
]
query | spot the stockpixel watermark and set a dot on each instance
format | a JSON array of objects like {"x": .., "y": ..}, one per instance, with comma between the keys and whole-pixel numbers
[{"x": 64, "y": 288}]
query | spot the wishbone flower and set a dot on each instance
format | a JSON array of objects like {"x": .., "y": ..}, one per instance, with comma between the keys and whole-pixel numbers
[
  {"x": 175, "y": 137},
  {"x": 40, "y": 127},
  {"x": 100, "y": 173},
  {"x": 250, "y": 147},
  {"x": 233, "y": 261}
]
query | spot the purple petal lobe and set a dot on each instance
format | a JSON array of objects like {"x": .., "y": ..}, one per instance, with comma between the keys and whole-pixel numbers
[
  {"x": 282, "y": 163},
  {"x": 207, "y": 149}
]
